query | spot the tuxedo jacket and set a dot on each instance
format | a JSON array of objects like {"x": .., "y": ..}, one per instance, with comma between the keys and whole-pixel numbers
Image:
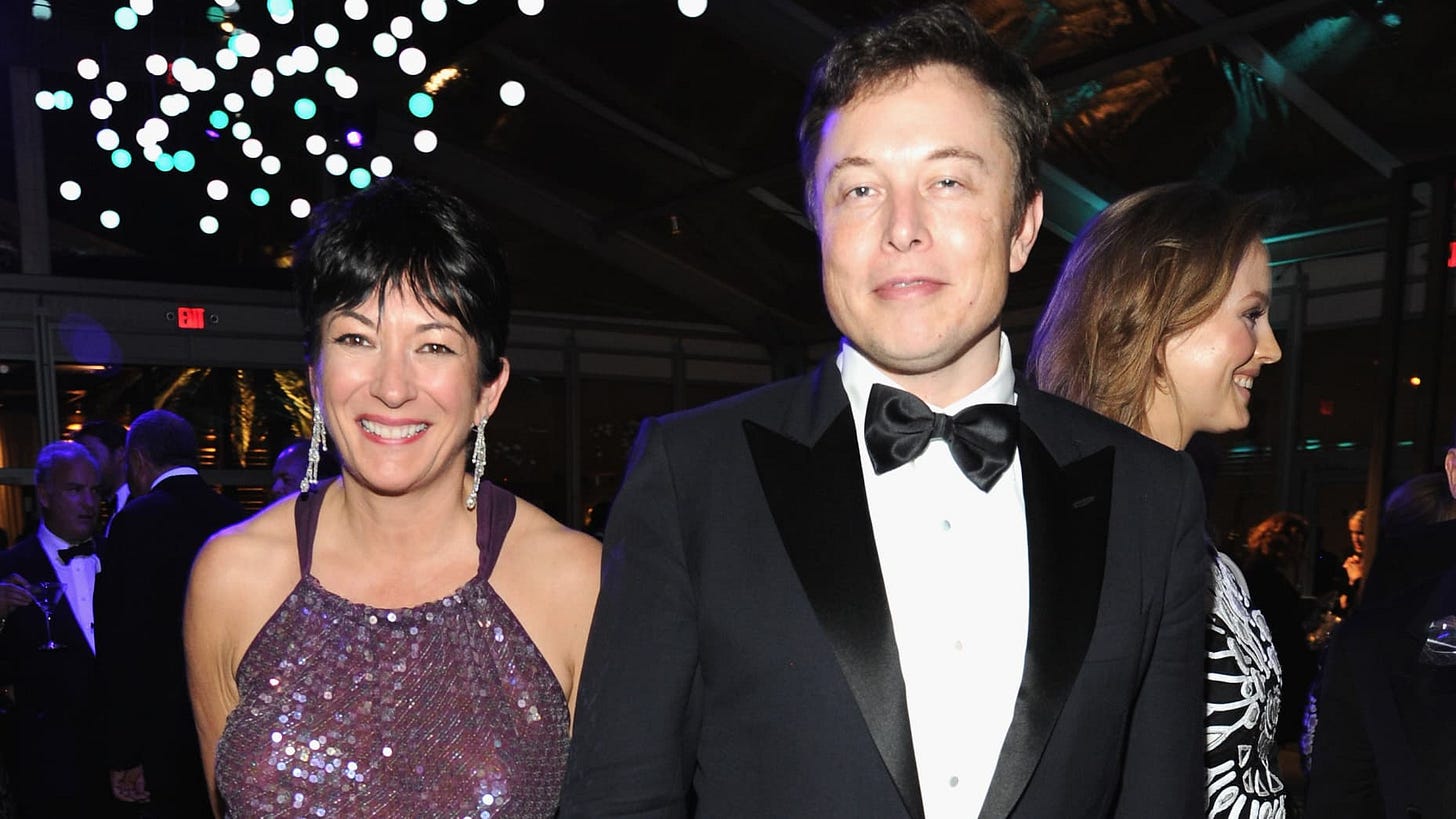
[
  {"x": 742, "y": 660},
  {"x": 1385, "y": 743},
  {"x": 139, "y": 597},
  {"x": 51, "y": 737}
]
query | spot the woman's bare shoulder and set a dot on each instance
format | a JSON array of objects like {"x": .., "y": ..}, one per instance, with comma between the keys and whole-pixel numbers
[
  {"x": 572, "y": 560},
  {"x": 251, "y": 557}
]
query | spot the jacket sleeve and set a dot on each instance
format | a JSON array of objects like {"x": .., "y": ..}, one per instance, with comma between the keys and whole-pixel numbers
[
  {"x": 1164, "y": 773},
  {"x": 638, "y": 708},
  {"x": 1342, "y": 776},
  {"x": 121, "y": 589}
]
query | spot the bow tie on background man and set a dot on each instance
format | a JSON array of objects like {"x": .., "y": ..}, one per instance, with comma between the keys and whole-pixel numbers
[
  {"x": 899, "y": 426},
  {"x": 82, "y": 549}
]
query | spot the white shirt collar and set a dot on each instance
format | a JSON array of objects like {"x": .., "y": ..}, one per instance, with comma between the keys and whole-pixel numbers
[
  {"x": 172, "y": 473},
  {"x": 859, "y": 374},
  {"x": 52, "y": 542}
]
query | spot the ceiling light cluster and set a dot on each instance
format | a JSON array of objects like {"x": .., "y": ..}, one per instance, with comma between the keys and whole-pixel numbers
[{"x": 288, "y": 73}]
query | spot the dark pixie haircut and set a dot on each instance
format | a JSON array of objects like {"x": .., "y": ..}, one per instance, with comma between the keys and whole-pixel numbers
[
  {"x": 943, "y": 34},
  {"x": 165, "y": 438},
  {"x": 405, "y": 234}
]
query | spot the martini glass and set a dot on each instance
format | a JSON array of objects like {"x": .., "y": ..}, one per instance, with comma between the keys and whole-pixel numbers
[{"x": 47, "y": 594}]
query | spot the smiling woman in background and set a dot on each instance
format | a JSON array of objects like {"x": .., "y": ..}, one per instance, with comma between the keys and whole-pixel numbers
[
  {"x": 1160, "y": 320},
  {"x": 405, "y": 640}
]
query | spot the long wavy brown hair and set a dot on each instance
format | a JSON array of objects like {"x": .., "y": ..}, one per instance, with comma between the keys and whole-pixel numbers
[{"x": 1150, "y": 266}]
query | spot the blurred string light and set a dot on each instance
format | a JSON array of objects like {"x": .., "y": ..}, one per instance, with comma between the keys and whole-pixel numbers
[
  {"x": 692, "y": 8},
  {"x": 115, "y": 101},
  {"x": 441, "y": 78},
  {"x": 41, "y": 10}
]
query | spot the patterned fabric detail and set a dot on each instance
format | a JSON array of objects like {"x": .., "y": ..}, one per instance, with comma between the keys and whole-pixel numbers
[{"x": 1242, "y": 690}]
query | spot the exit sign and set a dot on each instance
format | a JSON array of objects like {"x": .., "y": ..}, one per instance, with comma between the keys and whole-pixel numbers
[{"x": 191, "y": 318}]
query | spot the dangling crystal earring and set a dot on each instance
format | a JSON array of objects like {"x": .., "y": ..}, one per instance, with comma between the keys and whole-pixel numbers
[
  {"x": 477, "y": 462},
  {"x": 318, "y": 442}
]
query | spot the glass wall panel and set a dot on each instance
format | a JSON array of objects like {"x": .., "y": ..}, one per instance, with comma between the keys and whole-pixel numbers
[
  {"x": 19, "y": 444},
  {"x": 527, "y": 440},
  {"x": 243, "y": 417},
  {"x": 611, "y": 412}
]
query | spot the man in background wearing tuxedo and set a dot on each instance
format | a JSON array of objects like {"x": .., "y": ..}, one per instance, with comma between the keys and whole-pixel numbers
[
  {"x": 151, "y": 740},
  {"x": 52, "y": 742},
  {"x": 907, "y": 584}
]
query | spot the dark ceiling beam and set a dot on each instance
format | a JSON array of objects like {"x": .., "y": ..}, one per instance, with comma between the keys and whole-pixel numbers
[
  {"x": 1293, "y": 88},
  {"x": 531, "y": 202},
  {"x": 539, "y": 76},
  {"x": 1205, "y": 35}
]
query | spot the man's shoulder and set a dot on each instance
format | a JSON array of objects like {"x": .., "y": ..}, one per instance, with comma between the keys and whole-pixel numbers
[{"x": 1065, "y": 426}]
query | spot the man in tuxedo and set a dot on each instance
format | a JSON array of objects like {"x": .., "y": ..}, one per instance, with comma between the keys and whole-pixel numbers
[
  {"x": 51, "y": 742},
  {"x": 905, "y": 584},
  {"x": 1385, "y": 743},
  {"x": 151, "y": 741},
  {"x": 106, "y": 441}
]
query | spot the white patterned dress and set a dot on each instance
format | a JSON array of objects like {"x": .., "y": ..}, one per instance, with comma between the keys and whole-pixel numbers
[{"x": 1242, "y": 688}]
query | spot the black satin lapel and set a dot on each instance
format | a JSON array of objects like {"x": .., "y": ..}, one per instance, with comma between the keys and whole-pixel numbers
[
  {"x": 818, "y": 502},
  {"x": 1067, "y": 512}
]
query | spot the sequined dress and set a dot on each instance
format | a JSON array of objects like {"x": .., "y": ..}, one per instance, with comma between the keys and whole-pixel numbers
[
  {"x": 1242, "y": 688},
  {"x": 442, "y": 709}
]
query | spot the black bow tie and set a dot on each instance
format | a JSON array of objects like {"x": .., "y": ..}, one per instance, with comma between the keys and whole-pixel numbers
[
  {"x": 982, "y": 438},
  {"x": 79, "y": 550}
]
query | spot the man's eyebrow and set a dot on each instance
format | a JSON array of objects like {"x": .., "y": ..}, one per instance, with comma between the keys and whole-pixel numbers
[
  {"x": 957, "y": 153},
  {"x": 850, "y": 162}
]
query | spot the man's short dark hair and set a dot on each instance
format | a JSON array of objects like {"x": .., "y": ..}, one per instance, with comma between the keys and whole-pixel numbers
[
  {"x": 413, "y": 236},
  {"x": 111, "y": 434},
  {"x": 941, "y": 34},
  {"x": 165, "y": 438}
]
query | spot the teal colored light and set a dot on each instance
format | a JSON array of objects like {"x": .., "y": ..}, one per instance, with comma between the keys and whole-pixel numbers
[
  {"x": 216, "y": 14},
  {"x": 232, "y": 43},
  {"x": 280, "y": 8},
  {"x": 165, "y": 162},
  {"x": 63, "y": 100},
  {"x": 421, "y": 104},
  {"x": 184, "y": 161},
  {"x": 1390, "y": 19},
  {"x": 218, "y": 119},
  {"x": 304, "y": 108},
  {"x": 121, "y": 158},
  {"x": 126, "y": 19},
  {"x": 360, "y": 178},
  {"x": 259, "y": 196}
]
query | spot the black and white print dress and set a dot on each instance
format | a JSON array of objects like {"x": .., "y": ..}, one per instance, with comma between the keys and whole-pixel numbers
[{"x": 1242, "y": 690}]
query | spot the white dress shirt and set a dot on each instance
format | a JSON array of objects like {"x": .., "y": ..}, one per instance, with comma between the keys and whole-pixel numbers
[
  {"x": 172, "y": 473},
  {"x": 78, "y": 578},
  {"x": 955, "y": 569}
]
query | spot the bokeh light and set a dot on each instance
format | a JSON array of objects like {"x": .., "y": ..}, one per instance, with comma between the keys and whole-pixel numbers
[
  {"x": 45, "y": 100},
  {"x": 121, "y": 158},
  {"x": 433, "y": 10},
  {"x": 692, "y": 8},
  {"x": 326, "y": 35},
  {"x": 88, "y": 68},
  {"x": 184, "y": 161},
  {"x": 299, "y": 208},
  {"x": 356, "y": 9},
  {"x": 207, "y": 224},
  {"x": 359, "y": 178},
  {"x": 421, "y": 104},
  {"x": 156, "y": 65},
  {"x": 381, "y": 166},
  {"x": 385, "y": 44},
  {"x": 412, "y": 61},
  {"x": 512, "y": 93},
  {"x": 259, "y": 196},
  {"x": 217, "y": 189},
  {"x": 316, "y": 144},
  {"x": 530, "y": 8},
  {"x": 115, "y": 91},
  {"x": 110, "y": 219},
  {"x": 336, "y": 164},
  {"x": 101, "y": 108},
  {"x": 304, "y": 108},
  {"x": 107, "y": 139},
  {"x": 401, "y": 27},
  {"x": 252, "y": 148},
  {"x": 425, "y": 141},
  {"x": 70, "y": 190},
  {"x": 125, "y": 18},
  {"x": 218, "y": 119},
  {"x": 270, "y": 164},
  {"x": 233, "y": 101}
]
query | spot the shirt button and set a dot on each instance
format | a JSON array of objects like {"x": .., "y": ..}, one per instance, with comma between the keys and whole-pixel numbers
[
  {"x": 945, "y": 526},
  {"x": 955, "y": 780}
]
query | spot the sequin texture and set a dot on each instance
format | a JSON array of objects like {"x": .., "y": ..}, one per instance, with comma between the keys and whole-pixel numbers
[{"x": 442, "y": 709}]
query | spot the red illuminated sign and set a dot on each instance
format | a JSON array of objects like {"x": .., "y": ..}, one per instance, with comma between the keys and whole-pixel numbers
[{"x": 191, "y": 318}]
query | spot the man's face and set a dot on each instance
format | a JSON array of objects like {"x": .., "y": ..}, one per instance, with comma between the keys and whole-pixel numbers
[
  {"x": 68, "y": 499},
  {"x": 111, "y": 463},
  {"x": 914, "y": 184},
  {"x": 289, "y": 469}
]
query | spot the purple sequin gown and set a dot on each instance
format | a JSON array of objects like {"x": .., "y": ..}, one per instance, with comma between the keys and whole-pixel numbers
[{"x": 442, "y": 709}]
